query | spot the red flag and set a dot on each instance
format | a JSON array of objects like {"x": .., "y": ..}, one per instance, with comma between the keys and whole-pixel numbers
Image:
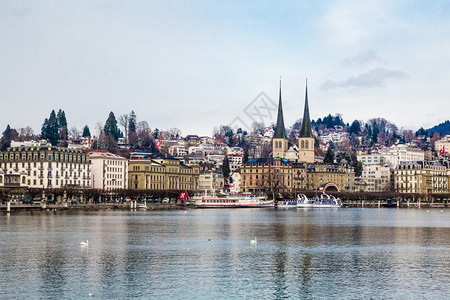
[
  {"x": 183, "y": 195},
  {"x": 442, "y": 151},
  {"x": 158, "y": 143}
]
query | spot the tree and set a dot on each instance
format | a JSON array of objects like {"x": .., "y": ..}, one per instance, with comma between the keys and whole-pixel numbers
[
  {"x": 124, "y": 122},
  {"x": 355, "y": 128},
  {"x": 52, "y": 129},
  {"x": 74, "y": 134},
  {"x": 245, "y": 157},
  {"x": 357, "y": 165},
  {"x": 86, "y": 132},
  {"x": 132, "y": 135},
  {"x": 111, "y": 128},
  {"x": 226, "y": 168},
  {"x": 26, "y": 134},
  {"x": 144, "y": 135},
  {"x": 342, "y": 155},
  {"x": 8, "y": 135},
  {"x": 329, "y": 156},
  {"x": 63, "y": 132}
]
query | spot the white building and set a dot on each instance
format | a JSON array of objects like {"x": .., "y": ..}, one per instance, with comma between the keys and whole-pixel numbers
[
  {"x": 443, "y": 143},
  {"x": 404, "y": 153},
  {"x": 109, "y": 171},
  {"x": 392, "y": 156},
  {"x": 235, "y": 151},
  {"x": 235, "y": 185},
  {"x": 377, "y": 178},
  {"x": 44, "y": 166},
  {"x": 177, "y": 151},
  {"x": 378, "y": 159},
  {"x": 235, "y": 161}
]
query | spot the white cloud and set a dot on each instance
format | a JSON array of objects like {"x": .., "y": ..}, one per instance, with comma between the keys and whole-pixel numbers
[{"x": 373, "y": 78}]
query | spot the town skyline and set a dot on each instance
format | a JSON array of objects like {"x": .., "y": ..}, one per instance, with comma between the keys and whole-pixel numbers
[{"x": 185, "y": 65}]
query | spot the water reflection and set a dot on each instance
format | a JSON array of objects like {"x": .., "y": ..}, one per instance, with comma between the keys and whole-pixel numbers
[{"x": 204, "y": 254}]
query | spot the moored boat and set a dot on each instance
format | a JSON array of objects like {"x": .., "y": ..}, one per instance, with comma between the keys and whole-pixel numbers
[
  {"x": 324, "y": 201},
  {"x": 240, "y": 200},
  {"x": 287, "y": 203}
]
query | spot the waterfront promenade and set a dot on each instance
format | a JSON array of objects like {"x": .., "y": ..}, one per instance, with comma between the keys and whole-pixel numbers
[{"x": 38, "y": 206}]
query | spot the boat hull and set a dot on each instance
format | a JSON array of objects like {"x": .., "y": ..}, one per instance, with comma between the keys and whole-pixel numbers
[{"x": 230, "y": 202}]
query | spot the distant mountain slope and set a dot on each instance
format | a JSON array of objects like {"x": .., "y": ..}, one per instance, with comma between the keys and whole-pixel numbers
[{"x": 443, "y": 128}]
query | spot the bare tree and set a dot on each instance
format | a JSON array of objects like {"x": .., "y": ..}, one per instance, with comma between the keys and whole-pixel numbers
[
  {"x": 258, "y": 128},
  {"x": 144, "y": 134},
  {"x": 101, "y": 140},
  {"x": 174, "y": 133},
  {"x": 74, "y": 134},
  {"x": 123, "y": 121},
  {"x": 26, "y": 134}
]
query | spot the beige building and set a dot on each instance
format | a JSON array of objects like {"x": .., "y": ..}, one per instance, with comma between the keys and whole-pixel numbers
[
  {"x": 275, "y": 174},
  {"x": 426, "y": 177},
  {"x": 319, "y": 175},
  {"x": 44, "y": 166},
  {"x": 377, "y": 178},
  {"x": 109, "y": 171},
  {"x": 156, "y": 172}
]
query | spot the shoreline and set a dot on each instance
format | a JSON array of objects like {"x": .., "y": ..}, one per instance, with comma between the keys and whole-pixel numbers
[{"x": 178, "y": 206}]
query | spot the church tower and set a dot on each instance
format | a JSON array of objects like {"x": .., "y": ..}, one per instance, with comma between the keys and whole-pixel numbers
[
  {"x": 305, "y": 138},
  {"x": 279, "y": 140}
]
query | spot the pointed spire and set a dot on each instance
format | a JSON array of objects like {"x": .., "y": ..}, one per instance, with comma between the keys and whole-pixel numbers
[
  {"x": 306, "y": 131},
  {"x": 280, "y": 131}
]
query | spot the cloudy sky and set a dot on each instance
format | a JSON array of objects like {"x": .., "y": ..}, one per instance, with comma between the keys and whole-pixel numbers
[{"x": 195, "y": 65}]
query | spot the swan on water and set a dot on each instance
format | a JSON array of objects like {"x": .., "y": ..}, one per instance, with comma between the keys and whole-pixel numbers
[
  {"x": 85, "y": 243},
  {"x": 254, "y": 242}
]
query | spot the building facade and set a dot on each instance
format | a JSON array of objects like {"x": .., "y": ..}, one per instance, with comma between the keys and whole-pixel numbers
[
  {"x": 275, "y": 174},
  {"x": 156, "y": 172},
  {"x": 318, "y": 175},
  {"x": 427, "y": 177},
  {"x": 109, "y": 171},
  {"x": 377, "y": 178},
  {"x": 44, "y": 166}
]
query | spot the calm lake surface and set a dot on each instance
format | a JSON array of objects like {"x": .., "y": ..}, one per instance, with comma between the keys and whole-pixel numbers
[{"x": 349, "y": 253}]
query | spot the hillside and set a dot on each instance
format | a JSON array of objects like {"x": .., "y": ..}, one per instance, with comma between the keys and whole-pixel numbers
[{"x": 443, "y": 128}]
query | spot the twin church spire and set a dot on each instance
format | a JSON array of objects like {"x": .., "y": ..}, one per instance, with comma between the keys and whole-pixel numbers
[
  {"x": 280, "y": 130},
  {"x": 306, "y": 140}
]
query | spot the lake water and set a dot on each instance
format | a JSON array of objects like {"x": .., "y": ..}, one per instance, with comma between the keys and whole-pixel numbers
[{"x": 206, "y": 254}]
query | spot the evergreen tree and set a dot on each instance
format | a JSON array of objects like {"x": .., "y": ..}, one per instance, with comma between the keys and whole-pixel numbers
[
  {"x": 357, "y": 165},
  {"x": 132, "y": 135},
  {"x": 44, "y": 129},
  {"x": 86, "y": 131},
  {"x": 329, "y": 156},
  {"x": 375, "y": 132},
  {"x": 355, "y": 128},
  {"x": 63, "y": 132},
  {"x": 245, "y": 158},
  {"x": 111, "y": 128},
  {"x": 111, "y": 132},
  {"x": 52, "y": 129},
  {"x": 8, "y": 135},
  {"x": 226, "y": 168}
]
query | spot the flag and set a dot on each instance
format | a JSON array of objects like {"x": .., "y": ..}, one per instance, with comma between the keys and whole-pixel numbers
[
  {"x": 183, "y": 196},
  {"x": 442, "y": 151},
  {"x": 158, "y": 144}
]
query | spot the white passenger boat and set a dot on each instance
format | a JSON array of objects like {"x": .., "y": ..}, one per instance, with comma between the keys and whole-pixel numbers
[
  {"x": 223, "y": 200},
  {"x": 287, "y": 203},
  {"x": 324, "y": 201}
]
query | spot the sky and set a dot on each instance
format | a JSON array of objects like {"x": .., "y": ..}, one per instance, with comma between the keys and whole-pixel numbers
[{"x": 196, "y": 65}]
